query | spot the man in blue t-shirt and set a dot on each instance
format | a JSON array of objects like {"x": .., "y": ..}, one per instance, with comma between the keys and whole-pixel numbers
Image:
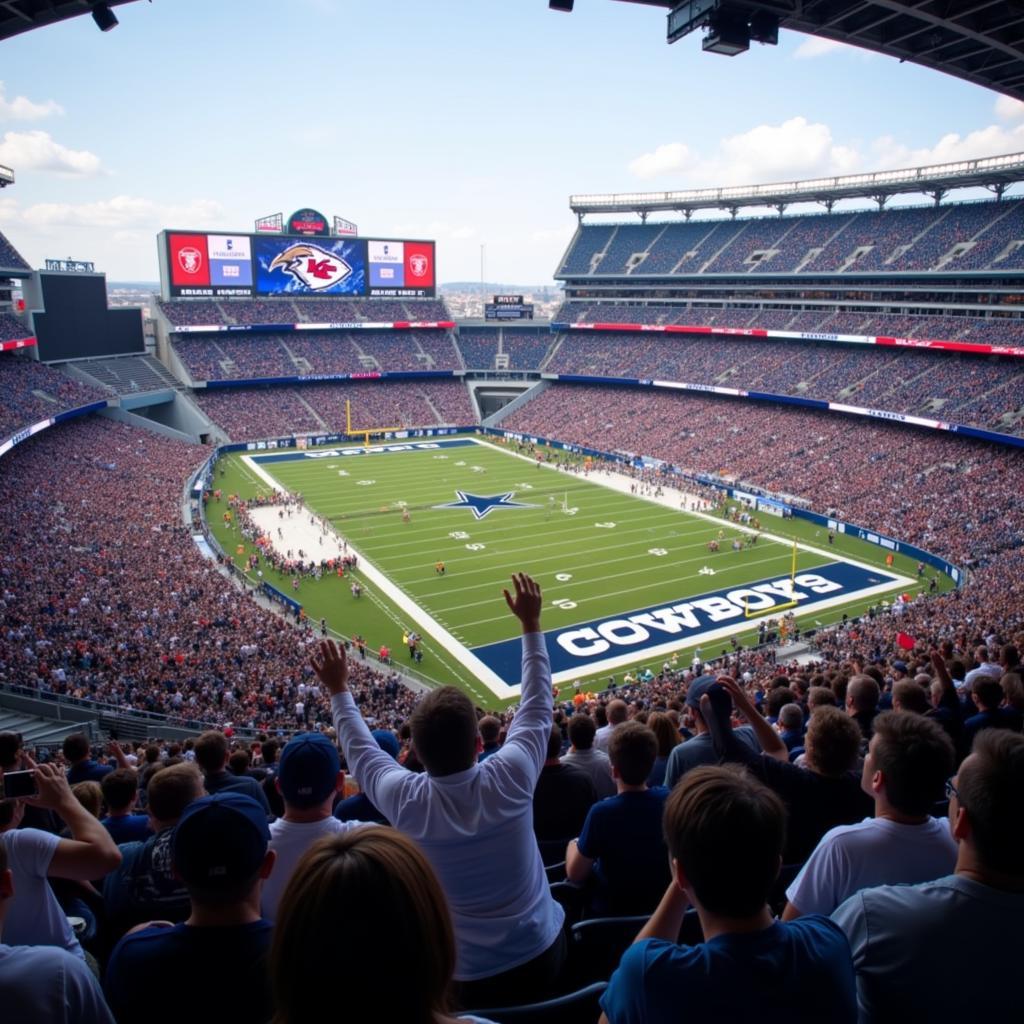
[
  {"x": 77, "y": 752},
  {"x": 219, "y": 849},
  {"x": 622, "y": 845},
  {"x": 120, "y": 794},
  {"x": 725, "y": 832}
]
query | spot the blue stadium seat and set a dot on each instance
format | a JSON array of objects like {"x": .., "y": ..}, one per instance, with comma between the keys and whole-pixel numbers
[{"x": 580, "y": 1007}]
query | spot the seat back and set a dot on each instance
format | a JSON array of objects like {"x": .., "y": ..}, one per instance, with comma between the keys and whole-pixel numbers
[{"x": 580, "y": 1007}]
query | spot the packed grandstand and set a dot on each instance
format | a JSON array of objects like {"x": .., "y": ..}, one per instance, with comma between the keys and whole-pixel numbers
[{"x": 863, "y": 366}]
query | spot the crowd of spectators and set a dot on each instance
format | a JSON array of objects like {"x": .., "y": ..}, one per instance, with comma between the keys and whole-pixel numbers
[
  {"x": 226, "y": 356},
  {"x": 976, "y": 390},
  {"x": 33, "y": 392},
  {"x": 994, "y": 330},
  {"x": 834, "y": 827},
  {"x": 290, "y": 310},
  {"x": 105, "y": 597},
  {"x": 10, "y": 258},
  {"x": 12, "y": 327},
  {"x": 526, "y": 348},
  {"x": 895, "y": 239},
  {"x": 278, "y": 411},
  {"x": 944, "y": 493}
]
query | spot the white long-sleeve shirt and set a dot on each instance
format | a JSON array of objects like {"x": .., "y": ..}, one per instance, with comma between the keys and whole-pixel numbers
[{"x": 475, "y": 827}]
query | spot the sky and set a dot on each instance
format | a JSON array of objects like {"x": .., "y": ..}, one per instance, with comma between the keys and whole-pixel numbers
[{"x": 467, "y": 121}]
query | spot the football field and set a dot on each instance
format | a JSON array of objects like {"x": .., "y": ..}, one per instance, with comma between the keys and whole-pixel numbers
[{"x": 628, "y": 580}]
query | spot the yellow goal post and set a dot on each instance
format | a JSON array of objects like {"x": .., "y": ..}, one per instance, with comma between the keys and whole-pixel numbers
[{"x": 757, "y": 613}]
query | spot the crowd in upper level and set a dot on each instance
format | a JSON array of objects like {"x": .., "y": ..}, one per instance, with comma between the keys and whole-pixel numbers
[
  {"x": 969, "y": 236},
  {"x": 996, "y": 330},
  {"x": 10, "y": 258},
  {"x": 200, "y": 312},
  {"x": 986, "y": 391},
  {"x": 246, "y": 413},
  {"x": 33, "y": 392},
  {"x": 12, "y": 327}
]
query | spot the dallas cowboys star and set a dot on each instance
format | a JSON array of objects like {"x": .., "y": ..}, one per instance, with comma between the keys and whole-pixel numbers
[{"x": 482, "y": 505}]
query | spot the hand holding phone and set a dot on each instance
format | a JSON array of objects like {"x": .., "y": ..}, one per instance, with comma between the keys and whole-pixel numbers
[{"x": 18, "y": 785}]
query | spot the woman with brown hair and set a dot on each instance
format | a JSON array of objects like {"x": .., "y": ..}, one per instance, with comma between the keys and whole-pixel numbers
[
  {"x": 668, "y": 739},
  {"x": 364, "y": 906}
]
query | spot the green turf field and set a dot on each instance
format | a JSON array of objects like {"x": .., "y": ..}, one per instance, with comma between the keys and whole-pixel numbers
[{"x": 599, "y": 554}]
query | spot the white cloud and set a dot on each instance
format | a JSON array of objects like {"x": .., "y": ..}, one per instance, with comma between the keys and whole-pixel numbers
[
  {"x": 794, "y": 149},
  {"x": 1009, "y": 109},
  {"x": 798, "y": 149},
  {"x": 121, "y": 213},
  {"x": 995, "y": 140},
  {"x": 37, "y": 151},
  {"x": 674, "y": 156},
  {"x": 816, "y": 46},
  {"x": 23, "y": 109}
]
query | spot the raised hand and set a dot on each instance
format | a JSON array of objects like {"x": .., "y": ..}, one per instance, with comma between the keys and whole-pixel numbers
[
  {"x": 527, "y": 602},
  {"x": 331, "y": 666},
  {"x": 741, "y": 701}
]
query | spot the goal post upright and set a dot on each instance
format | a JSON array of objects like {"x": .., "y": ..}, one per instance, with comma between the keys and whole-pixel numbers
[{"x": 748, "y": 614}]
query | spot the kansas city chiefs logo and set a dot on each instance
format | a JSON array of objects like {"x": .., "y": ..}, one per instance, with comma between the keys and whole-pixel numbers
[
  {"x": 190, "y": 259},
  {"x": 418, "y": 265},
  {"x": 312, "y": 266}
]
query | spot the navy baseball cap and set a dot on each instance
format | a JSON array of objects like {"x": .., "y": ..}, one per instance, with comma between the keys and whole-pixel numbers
[
  {"x": 220, "y": 840},
  {"x": 387, "y": 741},
  {"x": 308, "y": 769},
  {"x": 720, "y": 698}
]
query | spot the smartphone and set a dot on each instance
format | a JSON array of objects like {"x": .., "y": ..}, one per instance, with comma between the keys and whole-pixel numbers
[{"x": 16, "y": 785}]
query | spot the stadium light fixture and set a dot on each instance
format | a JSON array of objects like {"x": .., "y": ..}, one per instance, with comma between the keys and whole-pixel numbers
[
  {"x": 728, "y": 34},
  {"x": 561, "y": 5},
  {"x": 104, "y": 17}
]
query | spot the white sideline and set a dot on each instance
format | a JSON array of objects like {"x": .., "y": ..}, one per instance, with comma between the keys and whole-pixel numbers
[{"x": 416, "y": 614}]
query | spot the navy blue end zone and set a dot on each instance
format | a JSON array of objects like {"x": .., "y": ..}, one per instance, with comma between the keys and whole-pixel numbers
[
  {"x": 297, "y": 455},
  {"x": 582, "y": 647}
]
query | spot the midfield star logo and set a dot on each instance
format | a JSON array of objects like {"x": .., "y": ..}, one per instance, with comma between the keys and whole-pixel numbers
[
  {"x": 312, "y": 266},
  {"x": 482, "y": 505}
]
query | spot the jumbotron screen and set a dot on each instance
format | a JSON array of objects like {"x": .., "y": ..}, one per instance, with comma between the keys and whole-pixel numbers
[{"x": 197, "y": 265}]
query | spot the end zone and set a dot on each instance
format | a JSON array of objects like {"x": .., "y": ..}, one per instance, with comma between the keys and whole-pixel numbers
[{"x": 605, "y": 645}]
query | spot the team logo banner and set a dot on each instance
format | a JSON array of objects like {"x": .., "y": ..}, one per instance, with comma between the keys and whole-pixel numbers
[
  {"x": 588, "y": 646},
  {"x": 329, "y": 266}
]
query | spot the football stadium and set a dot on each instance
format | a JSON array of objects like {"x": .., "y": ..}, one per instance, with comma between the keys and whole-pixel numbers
[{"x": 656, "y": 659}]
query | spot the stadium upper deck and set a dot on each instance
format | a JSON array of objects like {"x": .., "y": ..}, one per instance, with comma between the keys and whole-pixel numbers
[{"x": 952, "y": 239}]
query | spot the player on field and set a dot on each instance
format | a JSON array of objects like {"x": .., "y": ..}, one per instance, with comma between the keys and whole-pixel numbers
[{"x": 439, "y": 568}]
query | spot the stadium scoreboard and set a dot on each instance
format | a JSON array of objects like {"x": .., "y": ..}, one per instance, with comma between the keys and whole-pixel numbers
[
  {"x": 202, "y": 265},
  {"x": 508, "y": 307}
]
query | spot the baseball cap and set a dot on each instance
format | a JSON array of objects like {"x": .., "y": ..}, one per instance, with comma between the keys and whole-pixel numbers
[
  {"x": 220, "y": 840},
  {"x": 720, "y": 698},
  {"x": 387, "y": 741},
  {"x": 308, "y": 769},
  {"x": 899, "y": 666}
]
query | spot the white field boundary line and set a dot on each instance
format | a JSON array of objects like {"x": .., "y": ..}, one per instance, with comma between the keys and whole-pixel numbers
[
  {"x": 422, "y": 618},
  {"x": 561, "y": 560},
  {"x": 616, "y": 591},
  {"x": 300, "y": 533}
]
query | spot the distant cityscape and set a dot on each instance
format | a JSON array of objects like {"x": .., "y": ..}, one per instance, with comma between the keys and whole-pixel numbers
[{"x": 465, "y": 299}]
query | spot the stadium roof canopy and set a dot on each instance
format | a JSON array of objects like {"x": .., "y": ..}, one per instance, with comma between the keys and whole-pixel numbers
[
  {"x": 981, "y": 41},
  {"x": 17, "y": 16},
  {"x": 994, "y": 172}
]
